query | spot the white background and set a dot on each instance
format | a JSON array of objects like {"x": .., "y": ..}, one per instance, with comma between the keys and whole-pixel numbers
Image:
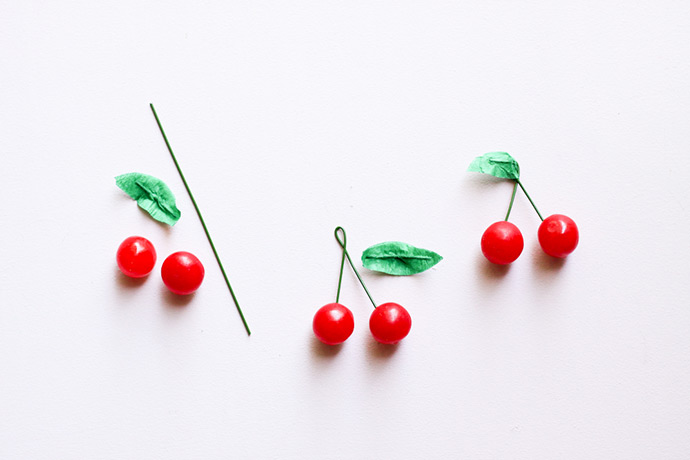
[{"x": 290, "y": 118}]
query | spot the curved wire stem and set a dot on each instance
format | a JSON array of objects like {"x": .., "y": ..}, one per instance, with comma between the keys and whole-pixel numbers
[
  {"x": 343, "y": 243},
  {"x": 203, "y": 224},
  {"x": 512, "y": 199}
]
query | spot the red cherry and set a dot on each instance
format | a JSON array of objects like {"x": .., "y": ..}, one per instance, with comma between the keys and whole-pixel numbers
[
  {"x": 136, "y": 257},
  {"x": 333, "y": 323},
  {"x": 390, "y": 323},
  {"x": 182, "y": 272},
  {"x": 558, "y": 235},
  {"x": 502, "y": 243}
]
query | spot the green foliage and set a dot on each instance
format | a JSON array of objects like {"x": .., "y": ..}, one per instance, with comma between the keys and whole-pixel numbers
[
  {"x": 396, "y": 258},
  {"x": 152, "y": 195}
]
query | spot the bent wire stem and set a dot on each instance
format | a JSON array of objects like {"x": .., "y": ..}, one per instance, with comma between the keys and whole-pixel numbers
[
  {"x": 343, "y": 244},
  {"x": 203, "y": 224}
]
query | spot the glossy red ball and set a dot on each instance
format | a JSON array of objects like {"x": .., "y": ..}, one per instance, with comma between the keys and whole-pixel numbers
[
  {"x": 502, "y": 243},
  {"x": 333, "y": 323},
  {"x": 182, "y": 272},
  {"x": 390, "y": 323},
  {"x": 136, "y": 257},
  {"x": 558, "y": 235}
]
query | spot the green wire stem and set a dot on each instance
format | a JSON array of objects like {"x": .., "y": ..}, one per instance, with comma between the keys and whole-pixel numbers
[
  {"x": 203, "y": 224},
  {"x": 343, "y": 244},
  {"x": 529, "y": 198},
  {"x": 512, "y": 199},
  {"x": 342, "y": 262}
]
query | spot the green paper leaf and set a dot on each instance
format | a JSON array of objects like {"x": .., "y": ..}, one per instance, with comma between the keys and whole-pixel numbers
[
  {"x": 498, "y": 164},
  {"x": 152, "y": 195},
  {"x": 396, "y": 258}
]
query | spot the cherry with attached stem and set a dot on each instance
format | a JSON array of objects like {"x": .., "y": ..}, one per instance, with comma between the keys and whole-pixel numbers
[
  {"x": 558, "y": 234},
  {"x": 502, "y": 242},
  {"x": 334, "y": 323}
]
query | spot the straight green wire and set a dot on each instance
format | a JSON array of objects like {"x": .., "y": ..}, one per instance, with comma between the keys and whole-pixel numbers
[
  {"x": 203, "y": 224},
  {"x": 343, "y": 244},
  {"x": 529, "y": 198}
]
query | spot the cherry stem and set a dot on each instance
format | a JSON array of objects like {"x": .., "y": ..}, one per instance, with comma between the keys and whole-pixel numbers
[
  {"x": 512, "y": 199},
  {"x": 343, "y": 244},
  {"x": 342, "y": 262},
  {"x": 517, "y": 181},
  {"x": 203, "y": 224}
]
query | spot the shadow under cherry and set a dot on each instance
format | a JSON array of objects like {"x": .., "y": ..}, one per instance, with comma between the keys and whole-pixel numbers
[{"x": 322, "y": 351}]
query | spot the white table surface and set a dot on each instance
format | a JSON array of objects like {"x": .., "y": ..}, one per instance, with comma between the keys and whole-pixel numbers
[{"x": 290, "y": 118}]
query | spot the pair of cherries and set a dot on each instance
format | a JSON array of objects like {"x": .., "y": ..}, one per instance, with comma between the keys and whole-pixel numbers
[
  {"x": 502, "y": 242},
  {"x": 334, "y": 323},
  {"x": 182, "y": 272}
]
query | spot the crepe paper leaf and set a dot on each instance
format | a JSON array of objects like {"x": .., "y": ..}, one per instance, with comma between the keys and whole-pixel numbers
[
  {"x": 396, "y": 258},
  {"x": 152, "y": 195},
  {"x": 498, "y": 164}
]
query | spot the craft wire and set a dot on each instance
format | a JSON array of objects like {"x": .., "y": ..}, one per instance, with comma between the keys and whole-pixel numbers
[{"x": 203, "y": 224}]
